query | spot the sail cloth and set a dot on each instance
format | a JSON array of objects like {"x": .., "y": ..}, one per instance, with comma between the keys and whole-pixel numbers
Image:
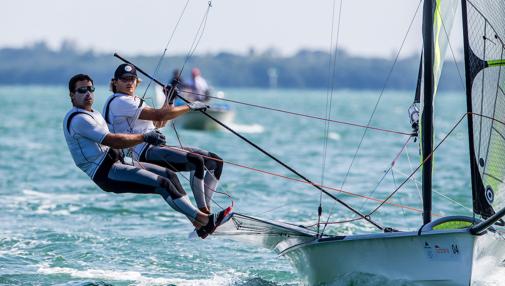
[
  {"x": 484, "y": 56},
  {"x": 443, "y": 20}
]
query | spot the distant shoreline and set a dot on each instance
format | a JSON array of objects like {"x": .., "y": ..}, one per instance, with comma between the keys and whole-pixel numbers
[{"x": 307, "y": 69}]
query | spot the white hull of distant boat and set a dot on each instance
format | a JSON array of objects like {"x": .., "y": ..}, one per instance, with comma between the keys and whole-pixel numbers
[
  {"x": 198, "y": 121},
  {"x": 433, "y": 258}
]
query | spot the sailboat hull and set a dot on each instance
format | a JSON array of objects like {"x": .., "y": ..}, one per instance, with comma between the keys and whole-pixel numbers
[
  {"x": 435, "y": 258},
  {"x": 198, "y": 121}
]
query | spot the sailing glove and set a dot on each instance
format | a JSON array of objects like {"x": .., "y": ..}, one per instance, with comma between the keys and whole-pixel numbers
[
  {"x": 154, "y": 137},
  {"x": 198, "y": 105},
  {"x": 171, "y": 93}
]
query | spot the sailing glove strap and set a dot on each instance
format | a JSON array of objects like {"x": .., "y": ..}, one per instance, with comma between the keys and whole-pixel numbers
[{"x": 198, "y": 105}]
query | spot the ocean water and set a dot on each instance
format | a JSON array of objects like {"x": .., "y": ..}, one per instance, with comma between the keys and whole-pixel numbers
[{"x": 58, "y": 228}]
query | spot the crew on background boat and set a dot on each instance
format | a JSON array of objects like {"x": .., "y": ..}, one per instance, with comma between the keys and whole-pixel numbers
[
  {"x": 92, "y": 147},
  {"x": 127, "y": 113},
  {"x": 177, "y": 81},
  {"x": 199, "y": 86}
]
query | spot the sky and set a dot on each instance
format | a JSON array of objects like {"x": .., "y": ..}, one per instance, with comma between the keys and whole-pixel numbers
[{"x": 367, "y": 27}]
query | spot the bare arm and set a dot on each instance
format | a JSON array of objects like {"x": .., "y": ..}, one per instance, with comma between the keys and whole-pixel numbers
[
  {"x": 162, "y": 114},
  {"x": 119, "y": 140}
]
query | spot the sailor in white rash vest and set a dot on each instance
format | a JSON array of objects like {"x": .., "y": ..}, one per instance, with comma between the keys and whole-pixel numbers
[
  {"x": 92, "y": 148},
  {"x": 127, "y": 113}
]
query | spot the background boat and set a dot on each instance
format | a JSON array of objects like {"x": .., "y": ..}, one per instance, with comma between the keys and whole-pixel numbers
[{"x": 196, "y": 120}]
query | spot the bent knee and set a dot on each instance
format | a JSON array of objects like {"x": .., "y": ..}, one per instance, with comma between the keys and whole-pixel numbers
[
  {"x": 198, "y": 162},
  {"x": 216, "y": 164},
  {"x": 172, "y": 190}
]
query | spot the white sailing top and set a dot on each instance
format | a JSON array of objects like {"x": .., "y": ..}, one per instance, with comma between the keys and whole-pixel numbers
[
  {"x": 200, "y": 84},
  {"x": 122, "y": 112},
  {"x": 84, "y": 134}
]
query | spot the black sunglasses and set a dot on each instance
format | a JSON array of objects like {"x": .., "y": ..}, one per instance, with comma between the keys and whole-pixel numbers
[{"x": 84, "y": 89}]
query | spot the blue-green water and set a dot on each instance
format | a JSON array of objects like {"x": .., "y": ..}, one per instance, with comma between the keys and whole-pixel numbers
[{"x": 58, "y": 228}]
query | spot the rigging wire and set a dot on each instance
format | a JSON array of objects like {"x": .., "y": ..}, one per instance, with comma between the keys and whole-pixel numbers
[
  {"x": 420, "y": 165},
  {"x": 194, "y": 45},
  {"x": 415, "y": 178},
  {"x": 329, "y": 100},
  {"x": 197, "y": 38},
  {"x": 394, "y": 182},
  {"x": 308, "y": 116},
  {"x": 377, "y": 102},
  {"x": 410, "y": 176},
  {"x": 380, "y": 95},
  {"x": 158, "y": 65},
  {"x": 390, "y": 169},
  {"x": 379, "y": 182},
  {"x": 192, "y": 49},
  {"x": 434, "y": 191},
  {"x": 349, "y": 207},
  {"x": 450, "y": 48},
  {"x": 293, "y": 179}
]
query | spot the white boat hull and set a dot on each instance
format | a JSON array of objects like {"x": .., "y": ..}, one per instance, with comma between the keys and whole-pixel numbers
[
  {"x": 198, "y": 121},
  {"x": 434, "y": 258}
]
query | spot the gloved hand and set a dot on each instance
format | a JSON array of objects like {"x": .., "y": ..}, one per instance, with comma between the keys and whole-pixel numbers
[
  {"x": 198, "y": 105},
  {"x": 171, "y": 93},
  {"x": 154, "y": 137}
]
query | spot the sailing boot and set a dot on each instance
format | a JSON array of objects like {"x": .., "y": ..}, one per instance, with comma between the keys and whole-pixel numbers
[{"x": 215, "y": 220}]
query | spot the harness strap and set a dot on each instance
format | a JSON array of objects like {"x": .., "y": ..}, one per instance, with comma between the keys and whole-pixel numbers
[
  {"x": 107, "y": 107},
  {"x": 106, "y": 113},
  {"x": 71, "y": 116}
]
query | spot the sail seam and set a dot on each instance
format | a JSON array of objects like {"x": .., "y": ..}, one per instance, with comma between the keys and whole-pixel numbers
[
  {"x": 493, "y": 177},
  {"x": 499, "y": 133}
]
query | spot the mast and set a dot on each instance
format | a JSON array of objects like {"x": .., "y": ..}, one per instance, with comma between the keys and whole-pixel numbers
[
  {"x": 468, "y": 79},
  {"x": 427, "y": 115}
]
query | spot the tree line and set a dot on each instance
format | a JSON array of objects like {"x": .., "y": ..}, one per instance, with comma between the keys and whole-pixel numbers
[{"x": 38, "y": 64}]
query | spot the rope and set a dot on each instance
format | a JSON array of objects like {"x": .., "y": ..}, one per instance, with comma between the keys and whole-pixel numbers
[
  {"x": 434, "y": 191},
  {"x": 380, "y": 180},
  {"x": 198, "y": 36},
  {"x": 329, "y": 101},
  {"x": 307, "y": 116},
  {"x": 187, "y": 179},
  {"x": 380, "y": 96},
  {"x": 420, "y": 165},
  {"x": 158, "y": 65},
  {"x": 450, "y": 48},
  {"x": 294, "y": 179}
]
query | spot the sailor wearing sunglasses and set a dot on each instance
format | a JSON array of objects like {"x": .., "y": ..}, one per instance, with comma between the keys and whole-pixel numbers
[{"x": 93, "y": 149}]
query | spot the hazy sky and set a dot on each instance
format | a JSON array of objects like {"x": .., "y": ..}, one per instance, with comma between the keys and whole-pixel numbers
[{"x": 368, "y": 27}]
